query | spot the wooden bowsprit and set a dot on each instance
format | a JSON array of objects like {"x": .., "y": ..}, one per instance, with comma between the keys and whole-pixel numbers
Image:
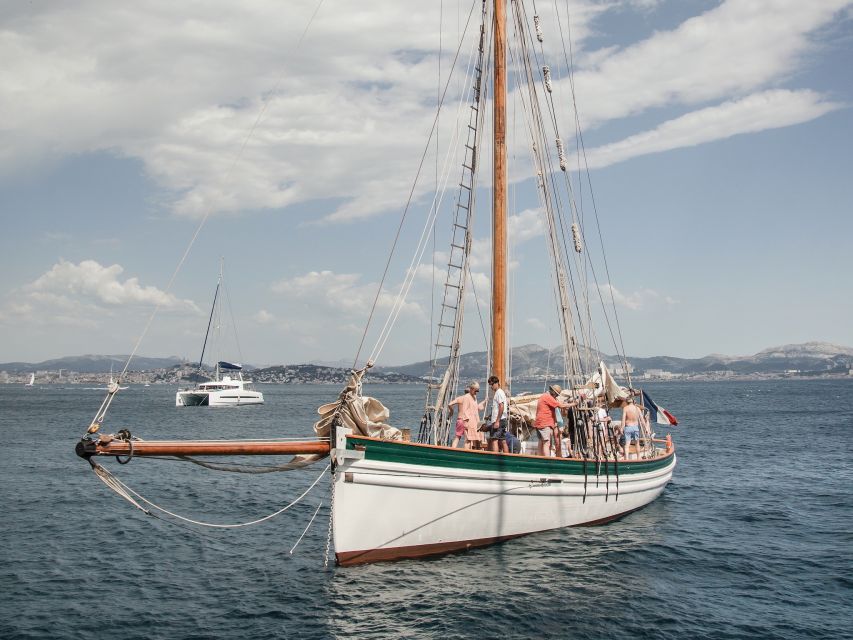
[{"x": 112, "y": 446}]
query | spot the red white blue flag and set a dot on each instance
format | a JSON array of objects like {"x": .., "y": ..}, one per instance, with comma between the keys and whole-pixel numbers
[{"x": 657, "y": 413}]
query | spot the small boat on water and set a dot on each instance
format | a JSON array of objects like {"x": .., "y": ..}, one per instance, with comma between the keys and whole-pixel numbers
[
  {"x": 404, "y": 492},
  {"x": 223, "y": 391}
]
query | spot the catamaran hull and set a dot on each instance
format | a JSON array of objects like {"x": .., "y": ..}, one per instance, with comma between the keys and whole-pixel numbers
[
  {"x": 386, "y": 507},
  {"x": 227, "y": 399}
]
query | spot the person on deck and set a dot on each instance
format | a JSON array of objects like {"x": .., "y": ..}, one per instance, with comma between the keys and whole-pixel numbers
[
  {"x": 497, "y": 422},
  {"x": 468, "y": 420},
  {"x": 546, "y": 420},
  {"x": 601, "y": 423},
  {"x": 632, "y": 418},
  {"x": 513, "y": 444}
]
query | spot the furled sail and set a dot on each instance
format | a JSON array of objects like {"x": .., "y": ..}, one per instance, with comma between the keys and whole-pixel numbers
[
  {"x": 366, "y": 416},
  {"x": 606, "y": 385}
]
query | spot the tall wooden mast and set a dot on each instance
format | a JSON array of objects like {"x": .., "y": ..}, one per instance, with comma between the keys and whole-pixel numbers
[{"x": 499, "y": 198}]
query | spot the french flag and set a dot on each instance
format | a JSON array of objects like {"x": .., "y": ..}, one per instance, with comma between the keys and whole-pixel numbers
[{"x": 658, "y": 413}]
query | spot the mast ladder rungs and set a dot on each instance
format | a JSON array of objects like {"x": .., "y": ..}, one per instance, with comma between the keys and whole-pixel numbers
[
  {"x": 454, "y": 266},
  {"x": 443, "y": 346},
  {"x": 459, "y": 205},
  {"x": 450, "y": 284},
  {"x": 464, "y": 186},
  {"x": 467, "y": 167},
  {"x": 460, "y": 226},
  {"x": 449, "y": 306}
]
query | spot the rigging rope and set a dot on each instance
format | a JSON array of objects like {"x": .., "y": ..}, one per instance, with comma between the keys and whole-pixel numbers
[
  {"x": 306, "y": 528},
  {"x": 130, "y": 495}
]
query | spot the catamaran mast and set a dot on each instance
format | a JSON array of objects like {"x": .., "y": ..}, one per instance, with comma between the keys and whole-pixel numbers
[{"x": 499, "y": 198}]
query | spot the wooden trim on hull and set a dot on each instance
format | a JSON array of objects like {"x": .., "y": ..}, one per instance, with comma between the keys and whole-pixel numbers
[{"x": 352, "y": 558}]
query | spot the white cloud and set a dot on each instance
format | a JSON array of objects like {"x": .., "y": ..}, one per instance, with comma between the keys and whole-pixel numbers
[
  {"x": 757, "y": 112},
  {"x": 264, "y": 317},
  {"x": 85, "y": 295},
  {"x": 525, "y": 226},
  {"x": 636, "y": 300},
  {"x": 347, "y": 113},
  {"x": 89, "y": 281},
  {"x": 340, "y": 292},
  {"x": 536, "y": 324},
  {"x": 764, "y": 42}
]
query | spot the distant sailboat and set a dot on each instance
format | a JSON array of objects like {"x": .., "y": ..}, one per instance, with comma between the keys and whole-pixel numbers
[
  {"x": 32, "y": 380},
  {"x": 223, "y": 390}
]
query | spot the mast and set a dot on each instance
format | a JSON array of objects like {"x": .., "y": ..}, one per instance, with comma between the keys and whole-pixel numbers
[{"x": 499, "y": 197}]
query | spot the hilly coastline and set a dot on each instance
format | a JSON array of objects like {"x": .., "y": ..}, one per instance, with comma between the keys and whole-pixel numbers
[{"x": 529, "y": 362}]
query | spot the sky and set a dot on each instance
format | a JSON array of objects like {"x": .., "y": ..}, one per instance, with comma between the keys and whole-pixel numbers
[{"x": 143, "y": 144}]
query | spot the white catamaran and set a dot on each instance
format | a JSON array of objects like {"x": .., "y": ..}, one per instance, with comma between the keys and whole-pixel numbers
[
  {"x": 394, "y": 496},
  {"x": 224, "y": 390}
]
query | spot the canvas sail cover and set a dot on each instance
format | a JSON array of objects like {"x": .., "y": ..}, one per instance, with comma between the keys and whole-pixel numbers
[
  {"x": 232, "y": 366},
  {"x": 523, "y": 407},
  {"x": 606, "y": 386},
  {"x": 366, "y": 416}
]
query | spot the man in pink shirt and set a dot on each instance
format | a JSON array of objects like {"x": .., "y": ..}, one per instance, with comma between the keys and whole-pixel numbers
[
  {"x": 546, "y": 419},
  {"x": 468, "y": 422}
]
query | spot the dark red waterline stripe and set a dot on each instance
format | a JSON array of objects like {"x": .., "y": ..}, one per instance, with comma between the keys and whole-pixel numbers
[{"x": 351, "y": 558}]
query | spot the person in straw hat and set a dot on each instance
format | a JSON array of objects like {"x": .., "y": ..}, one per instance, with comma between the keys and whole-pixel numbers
[{"x": 546, "y": 419}]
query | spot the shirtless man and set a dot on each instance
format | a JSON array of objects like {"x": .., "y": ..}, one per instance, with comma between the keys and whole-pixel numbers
[{"x": 632, "y": 417}]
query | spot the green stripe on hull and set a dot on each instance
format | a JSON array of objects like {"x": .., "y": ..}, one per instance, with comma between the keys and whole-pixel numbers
[{"x": 405, "y": 453}]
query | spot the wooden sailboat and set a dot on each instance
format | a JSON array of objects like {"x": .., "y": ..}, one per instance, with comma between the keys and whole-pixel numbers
[{"x": 394, "y": 498}]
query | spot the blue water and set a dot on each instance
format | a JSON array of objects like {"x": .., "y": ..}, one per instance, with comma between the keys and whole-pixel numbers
[{"x": 752, "y": 539}]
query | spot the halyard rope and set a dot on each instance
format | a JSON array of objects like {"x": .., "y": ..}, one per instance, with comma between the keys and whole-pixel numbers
[{"x": 129, "y": 494}]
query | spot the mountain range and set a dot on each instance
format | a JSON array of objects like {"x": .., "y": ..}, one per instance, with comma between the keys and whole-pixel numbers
[
  {"x": 527, "y": 361},
  {"x": 533, "y": 361}
]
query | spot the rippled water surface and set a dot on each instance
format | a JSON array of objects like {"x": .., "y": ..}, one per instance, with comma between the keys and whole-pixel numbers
[{"x": 752, "y": 539}]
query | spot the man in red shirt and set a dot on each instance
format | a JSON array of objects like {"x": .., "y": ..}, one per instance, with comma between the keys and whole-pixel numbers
[{"x": 546, "y": 419}]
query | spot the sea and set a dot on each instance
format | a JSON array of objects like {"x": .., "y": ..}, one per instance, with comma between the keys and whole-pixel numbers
[{"x": 753, "y": 538}]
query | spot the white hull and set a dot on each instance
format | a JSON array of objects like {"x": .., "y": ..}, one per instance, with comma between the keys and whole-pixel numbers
[
  {"x": 228, "y": 398},
  {"x": 385, "y": 509}
]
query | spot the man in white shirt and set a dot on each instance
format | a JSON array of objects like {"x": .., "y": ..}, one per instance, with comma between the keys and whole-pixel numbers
[{"x": 498, "y": 417}]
